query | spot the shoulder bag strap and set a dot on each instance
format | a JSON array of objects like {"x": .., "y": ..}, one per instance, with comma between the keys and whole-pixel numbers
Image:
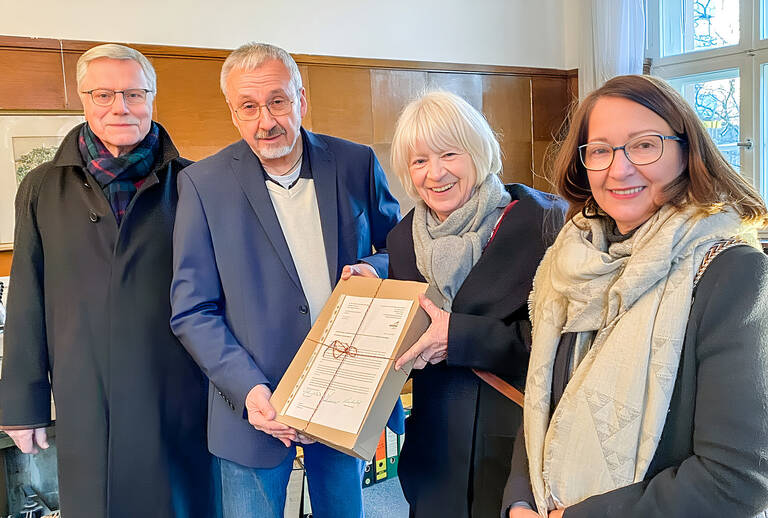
[{"x": 491, "y": 379}]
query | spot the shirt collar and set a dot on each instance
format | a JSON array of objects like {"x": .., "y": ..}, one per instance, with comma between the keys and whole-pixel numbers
[{"x": 305, "y": 172}]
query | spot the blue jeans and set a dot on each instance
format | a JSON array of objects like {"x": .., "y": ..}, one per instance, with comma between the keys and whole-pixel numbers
[{"x": 335, "y": 486}]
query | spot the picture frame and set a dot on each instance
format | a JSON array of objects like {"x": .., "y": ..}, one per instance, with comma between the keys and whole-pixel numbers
[{"x": 27, "y": 139}]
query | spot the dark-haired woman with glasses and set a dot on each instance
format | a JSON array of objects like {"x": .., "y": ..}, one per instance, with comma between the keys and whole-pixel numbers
[{"x": 647, "y": 390}]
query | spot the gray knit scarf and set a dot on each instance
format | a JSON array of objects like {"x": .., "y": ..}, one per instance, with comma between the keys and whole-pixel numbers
[{"x": 447, "y": 251}]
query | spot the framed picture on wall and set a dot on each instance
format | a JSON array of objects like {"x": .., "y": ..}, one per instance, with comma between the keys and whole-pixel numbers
[{"x": 26, "y": 141}]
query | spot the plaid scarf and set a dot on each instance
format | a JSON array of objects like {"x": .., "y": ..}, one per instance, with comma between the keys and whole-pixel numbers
[{"x": 119, "y": 176}]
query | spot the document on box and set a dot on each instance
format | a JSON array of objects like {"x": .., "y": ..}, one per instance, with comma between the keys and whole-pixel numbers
[{"x": 341, "y": 378}]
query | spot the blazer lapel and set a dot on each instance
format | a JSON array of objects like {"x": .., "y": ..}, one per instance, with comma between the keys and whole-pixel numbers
[
  {"x": 249, "y": 173},
  {"x": 323, "y": 165}
]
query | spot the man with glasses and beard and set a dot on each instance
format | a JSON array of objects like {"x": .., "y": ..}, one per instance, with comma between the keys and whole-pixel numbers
[
  {"x": 263, "y": 231},
  {"x": 88, "y": 311}
]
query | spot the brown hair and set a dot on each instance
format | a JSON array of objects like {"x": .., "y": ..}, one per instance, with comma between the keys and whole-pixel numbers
[{"x": 708, "y": 181}]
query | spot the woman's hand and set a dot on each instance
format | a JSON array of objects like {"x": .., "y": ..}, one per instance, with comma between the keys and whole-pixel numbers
[
  {"x": 432, "y": 347},
  {"x": 522, "y": 512},
  {"x": 557, "y": 513},
  {"x": 303, "y": 439},
  {"x": 361, "y": 269}
]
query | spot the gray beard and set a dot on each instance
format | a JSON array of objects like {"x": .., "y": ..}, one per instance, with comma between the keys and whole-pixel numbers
[{"x": 271, "y": 154}]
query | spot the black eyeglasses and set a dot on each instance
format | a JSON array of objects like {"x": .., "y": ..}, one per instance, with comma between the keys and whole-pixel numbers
[
  {"x": 249, "y": 111},
  {"x": 105, "y": 97},
  {"x": 643, "y": 150}
]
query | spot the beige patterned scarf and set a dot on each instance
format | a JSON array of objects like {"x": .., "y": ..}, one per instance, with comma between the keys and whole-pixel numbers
[{"x": 632, "y": 299}]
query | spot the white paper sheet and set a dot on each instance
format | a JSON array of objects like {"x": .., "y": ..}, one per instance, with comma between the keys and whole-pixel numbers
[{"x": 364, "y": 333}]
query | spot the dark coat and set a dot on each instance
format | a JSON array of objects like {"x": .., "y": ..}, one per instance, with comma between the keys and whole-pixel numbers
[
  {"x": 712, "y": 458},
  {"x": 89, "y": 308},
  {"x": 461, "y": 431}
]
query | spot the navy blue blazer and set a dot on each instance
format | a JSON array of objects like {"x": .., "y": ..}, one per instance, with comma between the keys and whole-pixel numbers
[{"x": 237, "y": 303}]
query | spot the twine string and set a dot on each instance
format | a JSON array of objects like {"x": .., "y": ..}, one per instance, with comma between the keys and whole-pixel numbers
[{"x": 341, "y": 351}]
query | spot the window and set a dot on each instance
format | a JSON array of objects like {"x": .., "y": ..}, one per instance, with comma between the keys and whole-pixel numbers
[
  {"x": 715, "y": 52},
  {"x": 716, "y": 96},
  {"x": 691, "y": 25}
]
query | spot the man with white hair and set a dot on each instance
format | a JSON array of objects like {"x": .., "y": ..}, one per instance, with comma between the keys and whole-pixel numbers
[
  {"x": 263, "y": 231},
  {"x": 88, "y": 311}
]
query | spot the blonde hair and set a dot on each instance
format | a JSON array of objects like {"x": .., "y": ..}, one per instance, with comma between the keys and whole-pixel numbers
[
  {"x": 442, "y": 120},
  {"x": 251, "y": 56},
  {"x": 708, "y": 180},
  {"x": 115, "y": 51}
]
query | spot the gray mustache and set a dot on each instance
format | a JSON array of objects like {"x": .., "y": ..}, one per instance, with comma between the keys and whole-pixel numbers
[{"x": 274, "y": 132}]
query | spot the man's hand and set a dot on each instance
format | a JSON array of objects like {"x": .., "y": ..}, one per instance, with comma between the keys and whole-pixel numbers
[
  {"x": 29, "y": 439},
  {"x": 522, "y": 512},
  {"x": 432, "y": 347},
  {"x": 261, "y": 414},
  {"x": 361, "y": 269},
  {"x": 557, "y": 513}
]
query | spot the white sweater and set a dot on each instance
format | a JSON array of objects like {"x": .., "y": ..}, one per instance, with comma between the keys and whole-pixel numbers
[{"x": 299, "y": 218}]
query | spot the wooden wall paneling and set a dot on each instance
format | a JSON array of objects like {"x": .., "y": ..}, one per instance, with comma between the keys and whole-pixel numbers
[
  {"x": 18, "y": 42},
  {"x": 507, "y": 106},
  {"x": 542, "y": 157},
  {"x": 391, "y": 90},
  {"x": 573, "y": 87},
  {"x": 468, "y": 86},
  {"x": 72, "y": 101},
  {"x": 400, "y": 64},
  {"x": 549, "y": 98},
  {"x": 353, "y": 98},
  {"x": 550, "y": 104},
  {"x": 6, "y": 257},
  {"x": 383, "y": 153},
  {"x": 31, "y": 80},
  {"x": 307, "y": 120},
  {"x": 342, "y": 102},
  {"x": 191, "y": 107}
]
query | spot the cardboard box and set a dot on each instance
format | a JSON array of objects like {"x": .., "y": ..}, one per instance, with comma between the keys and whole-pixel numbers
[{"x": 361, "y": 444}]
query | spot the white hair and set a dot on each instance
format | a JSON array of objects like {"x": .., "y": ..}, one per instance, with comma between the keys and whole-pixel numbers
[
  {"x": 252, "y": 55},
  {"x": 115, "y": 51},
  {"x": 442, "y": 120}
]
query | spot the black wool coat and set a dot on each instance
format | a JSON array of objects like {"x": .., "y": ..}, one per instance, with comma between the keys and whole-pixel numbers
[
  {"x": 461, "y": 432},
  {"x": 88, "y": 316}
]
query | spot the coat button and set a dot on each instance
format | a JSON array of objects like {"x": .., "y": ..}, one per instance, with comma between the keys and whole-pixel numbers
[
  {"x": 303, "y": 309},
  {"x": 86, "y": 185},
  {"x": 93, "y": 216}
]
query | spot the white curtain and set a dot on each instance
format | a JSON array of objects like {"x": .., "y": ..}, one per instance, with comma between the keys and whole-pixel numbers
[{"x": 613, "y": 41}]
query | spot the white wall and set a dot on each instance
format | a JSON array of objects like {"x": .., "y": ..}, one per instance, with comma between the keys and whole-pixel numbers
[
  {"x": 498, "y": 32},
  {"x": 572, "y": 33}
]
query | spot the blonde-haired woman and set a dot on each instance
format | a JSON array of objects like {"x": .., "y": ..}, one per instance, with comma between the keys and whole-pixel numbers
[
  {"x": 477, "y": 242},
  {"x": 647, "y": 389}
]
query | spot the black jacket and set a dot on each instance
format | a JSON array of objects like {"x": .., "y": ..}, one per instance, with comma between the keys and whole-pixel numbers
[
  {"x": 461, "y": 431},
  {"x": 712, "y": 458},
  {"x": 88, "y": 313}
]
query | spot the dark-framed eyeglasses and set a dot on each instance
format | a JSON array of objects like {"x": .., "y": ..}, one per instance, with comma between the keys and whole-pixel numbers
[
  {"x": 249, "y": 111},
  {"x": 105, "y": 97},
  {"x": 642, "y": 150}
]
